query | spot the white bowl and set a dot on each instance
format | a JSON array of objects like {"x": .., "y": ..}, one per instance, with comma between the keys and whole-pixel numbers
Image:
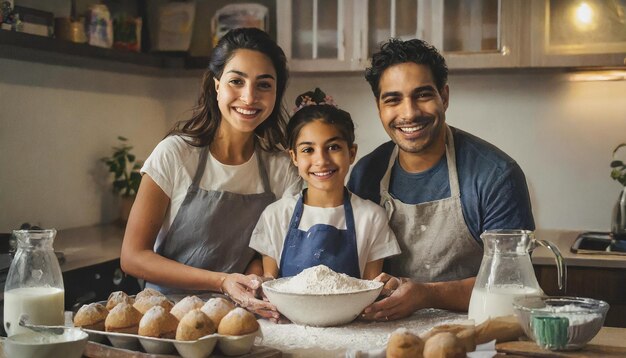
[
  {"x": 321, "y": 309},
  {"x": 70, "y": 344}
]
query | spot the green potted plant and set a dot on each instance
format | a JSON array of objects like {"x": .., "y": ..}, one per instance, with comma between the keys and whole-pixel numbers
[
  {"x": 126, "y": 177},
  {"x": 618, "y": 172}
]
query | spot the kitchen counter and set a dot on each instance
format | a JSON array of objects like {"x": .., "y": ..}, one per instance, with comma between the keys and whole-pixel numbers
[
  {"x": 90, "y": 245},
  {"x": 564, "y": 240}
]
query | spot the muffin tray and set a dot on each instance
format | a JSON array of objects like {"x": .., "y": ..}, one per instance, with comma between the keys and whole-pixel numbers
[{"x": 203, "y": 347}]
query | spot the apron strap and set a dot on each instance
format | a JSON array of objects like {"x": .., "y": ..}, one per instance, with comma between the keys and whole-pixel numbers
[
  {"x": 201, "y": 166},
  {"x": 453, "y": 176},
  {"x": 262, "y": 170}
]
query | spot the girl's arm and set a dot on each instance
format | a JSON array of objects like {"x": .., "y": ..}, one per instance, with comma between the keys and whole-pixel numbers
[
  {"x": 255, "y": 267},
  {"x": 373, "y": 269},
  {"x": 270, "y": 267}
]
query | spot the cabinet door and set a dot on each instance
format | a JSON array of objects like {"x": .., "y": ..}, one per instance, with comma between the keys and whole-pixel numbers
[
  {"x": 317, "y": 35},
  {"x": 478, "y": 33},
  {"x": 578, "y": 33},
  {"x": 380, "y": 20}
]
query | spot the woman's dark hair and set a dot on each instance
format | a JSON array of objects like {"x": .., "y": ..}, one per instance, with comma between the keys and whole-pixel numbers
[
  {"x": 397, "y": 51},
  {"x": 326, "y": 113},
  {"x": 201, "y": 128}
]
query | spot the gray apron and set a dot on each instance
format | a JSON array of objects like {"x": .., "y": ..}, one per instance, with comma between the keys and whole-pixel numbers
[
  {"x": 212, "y": 229},
  {"x": 435, "y": 241}
]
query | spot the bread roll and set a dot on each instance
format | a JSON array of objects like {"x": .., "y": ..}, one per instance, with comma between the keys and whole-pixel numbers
[
  {"x": 403, "y": 344},
  {"x": 465, "y": 333},
  {"x": 123, "y": 318},
  {"x": 148, "y": 292},
  {"x": 444, "y": 345},
  {"x": 118, "y": 297},
  {"x": 91, "y": 316},
  {"x": 185, "y": 305},
  {"x": 145, "y": 303},
  {"x": 216, "y": 308},
  {"x": 194, "y": 325},
  {"x": 158, "y": 323},
  {"x": 502, "y": 329},
  {"x": 237, "y": 323}
]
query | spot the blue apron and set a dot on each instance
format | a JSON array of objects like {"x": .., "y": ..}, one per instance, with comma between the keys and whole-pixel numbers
[{"x": 320, "y": 245}]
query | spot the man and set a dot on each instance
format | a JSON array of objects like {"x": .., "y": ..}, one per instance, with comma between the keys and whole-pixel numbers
[{"x": 442, "y": 187}]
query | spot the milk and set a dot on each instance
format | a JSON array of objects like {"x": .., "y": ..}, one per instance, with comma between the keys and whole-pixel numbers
[
  {"x": 43, "y": 305},
  {"x": 496, "y": 301}
]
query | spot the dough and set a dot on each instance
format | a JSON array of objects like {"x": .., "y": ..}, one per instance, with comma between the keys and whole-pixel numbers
[
  {"x": 91, "y": 316},
  {"x": 143, "y": 304},
  {"x": 148, "y": 292},
  {"x": 502, "y": 329},
  {"x": 185, "y": 305},
  {"x": 216, "y": 308},
  {"x": 465, "y": 333},
  {"x": 118, "y": 297},
  {"x": 194, "y": 325},
  {"x": 403, "y": 344},
  {"x": 237, "y": 323},
  {"x": 444, "y": 345},
  {"x": 158, "y": 323},
  {"x": 123, "y": 318}
]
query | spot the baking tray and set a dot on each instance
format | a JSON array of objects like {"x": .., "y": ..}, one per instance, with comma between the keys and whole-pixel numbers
[{"x": 203, "y": 347}]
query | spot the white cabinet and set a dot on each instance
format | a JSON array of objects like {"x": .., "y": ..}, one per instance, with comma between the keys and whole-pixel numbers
[
  {"x": 341, "y": 35},
  {"x": 578, "y": 33},
  {"x": 317, "y": 35},
  {"x": 478, "y": 33}
]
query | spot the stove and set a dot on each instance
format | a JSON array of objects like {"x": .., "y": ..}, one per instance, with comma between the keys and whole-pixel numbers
[{"x": 601, "y": 243}]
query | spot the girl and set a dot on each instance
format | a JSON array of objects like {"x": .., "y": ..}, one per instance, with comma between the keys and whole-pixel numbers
[
  {"x": 326, "y": 224},
  {"x": 206, "y": 184}
]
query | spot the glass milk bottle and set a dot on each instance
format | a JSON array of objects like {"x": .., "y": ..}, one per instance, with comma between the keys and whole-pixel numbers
[
  {"x": 506, "y": 272},
  {"x": 34, "y": 285}
]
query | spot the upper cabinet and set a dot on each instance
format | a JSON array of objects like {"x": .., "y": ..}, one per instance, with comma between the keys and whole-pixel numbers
[
  {"x": 317, "y": 35},
  {"x": 470, "y": 33},
  {"x": 578, "y": 33},
  {"x": 477, "y": 33}
]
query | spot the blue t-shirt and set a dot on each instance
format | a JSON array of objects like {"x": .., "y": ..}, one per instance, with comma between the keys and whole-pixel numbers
[{"x": 494, "y": 194}]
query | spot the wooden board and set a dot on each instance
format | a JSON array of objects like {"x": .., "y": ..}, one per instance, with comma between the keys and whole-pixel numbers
[
  {"x": 530, "y": 349},
  {"x": 98, "y": 350}
]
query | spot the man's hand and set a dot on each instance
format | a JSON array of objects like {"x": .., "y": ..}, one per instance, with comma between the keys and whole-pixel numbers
[{"x": 408, "y": 297}]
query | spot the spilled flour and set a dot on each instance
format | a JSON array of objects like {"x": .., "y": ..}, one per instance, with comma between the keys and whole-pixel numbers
[
  {"x": 322, "y": 280},
  {"x": 358, "y": 335}
]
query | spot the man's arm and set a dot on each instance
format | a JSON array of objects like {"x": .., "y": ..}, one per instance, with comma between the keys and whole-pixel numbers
[{"x": 411, "y": 296}]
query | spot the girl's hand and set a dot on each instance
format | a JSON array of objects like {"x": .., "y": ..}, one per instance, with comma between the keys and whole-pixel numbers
[
  {"x": 242, "y": 290},
  {"x": 391, "y": 283}
]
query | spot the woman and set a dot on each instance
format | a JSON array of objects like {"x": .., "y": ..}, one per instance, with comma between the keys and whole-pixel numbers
[{"x": 207, "y": 182}]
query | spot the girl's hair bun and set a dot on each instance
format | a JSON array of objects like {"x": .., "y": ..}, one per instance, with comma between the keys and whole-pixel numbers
[{"x": 313, "y": 98}]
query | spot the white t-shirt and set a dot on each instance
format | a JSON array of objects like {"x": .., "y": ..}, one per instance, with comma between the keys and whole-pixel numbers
[
  {"x": 173, "y": 164},
  {"x": 374, "y": 238}
]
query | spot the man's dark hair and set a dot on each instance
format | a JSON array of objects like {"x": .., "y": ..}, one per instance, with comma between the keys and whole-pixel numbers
[{"x": 395, "y": 52}]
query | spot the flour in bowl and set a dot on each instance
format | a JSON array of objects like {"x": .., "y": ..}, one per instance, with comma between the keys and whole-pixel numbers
[{"x": 322, "y": 280}]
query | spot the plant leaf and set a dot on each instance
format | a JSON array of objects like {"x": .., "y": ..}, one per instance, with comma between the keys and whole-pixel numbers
[{"x": 617, "y": 163}]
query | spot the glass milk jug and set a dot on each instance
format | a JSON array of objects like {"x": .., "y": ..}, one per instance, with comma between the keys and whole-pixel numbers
[
  {"x": 506, "y": 272},
  {"x": 34, "y": 286}
]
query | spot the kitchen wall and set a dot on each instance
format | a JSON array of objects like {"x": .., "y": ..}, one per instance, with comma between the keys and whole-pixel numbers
[{"x": 55, "y": 122}]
